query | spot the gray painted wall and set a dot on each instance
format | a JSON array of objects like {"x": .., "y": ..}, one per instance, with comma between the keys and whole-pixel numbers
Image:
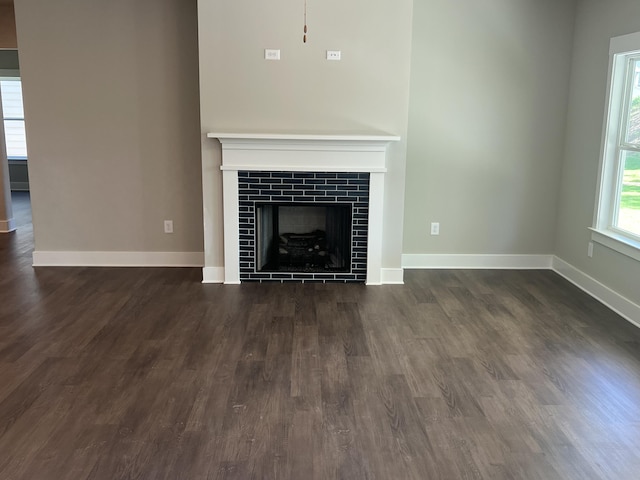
[
  {"x": 303, "y": 92},
  {"x": 489, "y": 93},
  {"x": 111, "y": 108},
  {"x": 596, "y": 23},
  {"x": 19, "y": 175},
  {"x": 9, "y": 60},
  {"x": 489, "y": 86}
]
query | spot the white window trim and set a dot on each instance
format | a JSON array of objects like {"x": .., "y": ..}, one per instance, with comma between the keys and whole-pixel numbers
[
  {"x": 602, "y": 231},
  {"x": 619, "y": 243}
]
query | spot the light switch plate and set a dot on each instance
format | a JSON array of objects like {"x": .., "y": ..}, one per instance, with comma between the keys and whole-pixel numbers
[
  {"x": 271, "y": 54},
  {"x": 333, "y": 54}
]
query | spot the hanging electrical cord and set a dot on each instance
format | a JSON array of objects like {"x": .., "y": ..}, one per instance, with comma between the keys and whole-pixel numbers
[{"x": 304, "y": 38}]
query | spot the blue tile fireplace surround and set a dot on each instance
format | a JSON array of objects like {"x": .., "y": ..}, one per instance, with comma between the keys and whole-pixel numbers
[{"x": 303, "y": 188}]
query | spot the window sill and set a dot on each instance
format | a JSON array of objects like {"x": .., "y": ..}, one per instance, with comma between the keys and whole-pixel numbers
[{"x": 617, "y": 242}]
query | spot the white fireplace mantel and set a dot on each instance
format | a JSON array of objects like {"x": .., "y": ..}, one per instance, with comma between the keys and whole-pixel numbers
[
  {"x": 299, "y": 152},
  {"x": 339, "y": 153}
]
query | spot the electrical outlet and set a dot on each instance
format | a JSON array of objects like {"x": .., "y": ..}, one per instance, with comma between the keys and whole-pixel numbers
[
  {"x": 271, "y": 54},
  {"x": 435, "y": 228},
  {"x": 168, "y": 226},
  {"x": 590, "y": 250},
  {"x": 334, "y": 55}
]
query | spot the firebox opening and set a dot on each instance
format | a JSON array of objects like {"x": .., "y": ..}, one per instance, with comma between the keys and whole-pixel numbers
[{"x": 303, "y": 238}]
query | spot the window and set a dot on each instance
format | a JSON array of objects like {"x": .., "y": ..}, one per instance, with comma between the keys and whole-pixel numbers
[
  {"x": 13, "y": 113},
  {"x": 617, "y": 216}
]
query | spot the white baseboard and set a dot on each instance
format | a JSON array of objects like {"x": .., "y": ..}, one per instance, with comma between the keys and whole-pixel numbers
[
  {"x": 616, "y": 302},
  {"x": 392, "y": 276},
  {"x": 507, "y": 262},
  {"x": 7, "y": 226},
  {"x": 213, "y": 275},
  {"x": 117, "y": 259}
]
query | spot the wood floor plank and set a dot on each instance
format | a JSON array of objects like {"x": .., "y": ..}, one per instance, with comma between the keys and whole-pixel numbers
[{"x": 109, "y": 374}]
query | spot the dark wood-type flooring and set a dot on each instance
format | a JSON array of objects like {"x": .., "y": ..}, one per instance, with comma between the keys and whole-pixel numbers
[{"x": 148, "y": 374}]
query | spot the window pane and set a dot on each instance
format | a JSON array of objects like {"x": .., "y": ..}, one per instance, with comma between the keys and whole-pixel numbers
[
  {"x": 15, "y": 137},
  {"x": 13, "y": 118},
  {"x": 629, "y": 211},
  {"x": 12, "y": 98},
  {"x": 633, "y": 121}
]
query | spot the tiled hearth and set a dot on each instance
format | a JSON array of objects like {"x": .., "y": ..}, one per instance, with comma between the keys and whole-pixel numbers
[{"x": 322, "y": 169}]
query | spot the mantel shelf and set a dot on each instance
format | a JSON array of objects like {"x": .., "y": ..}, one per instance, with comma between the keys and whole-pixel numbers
[
  {"x": 286, "y": 138},
  {"x": 304, "y": 152}
]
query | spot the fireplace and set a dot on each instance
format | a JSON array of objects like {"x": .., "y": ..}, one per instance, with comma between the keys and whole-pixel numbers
[
  {"x": 303, "y": 226},
  {"x": 302, "y": 238},
  {"x": 302, "y": 208}
]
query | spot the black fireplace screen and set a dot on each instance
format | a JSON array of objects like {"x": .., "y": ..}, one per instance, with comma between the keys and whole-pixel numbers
[{"x": 303, "y": 238}]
